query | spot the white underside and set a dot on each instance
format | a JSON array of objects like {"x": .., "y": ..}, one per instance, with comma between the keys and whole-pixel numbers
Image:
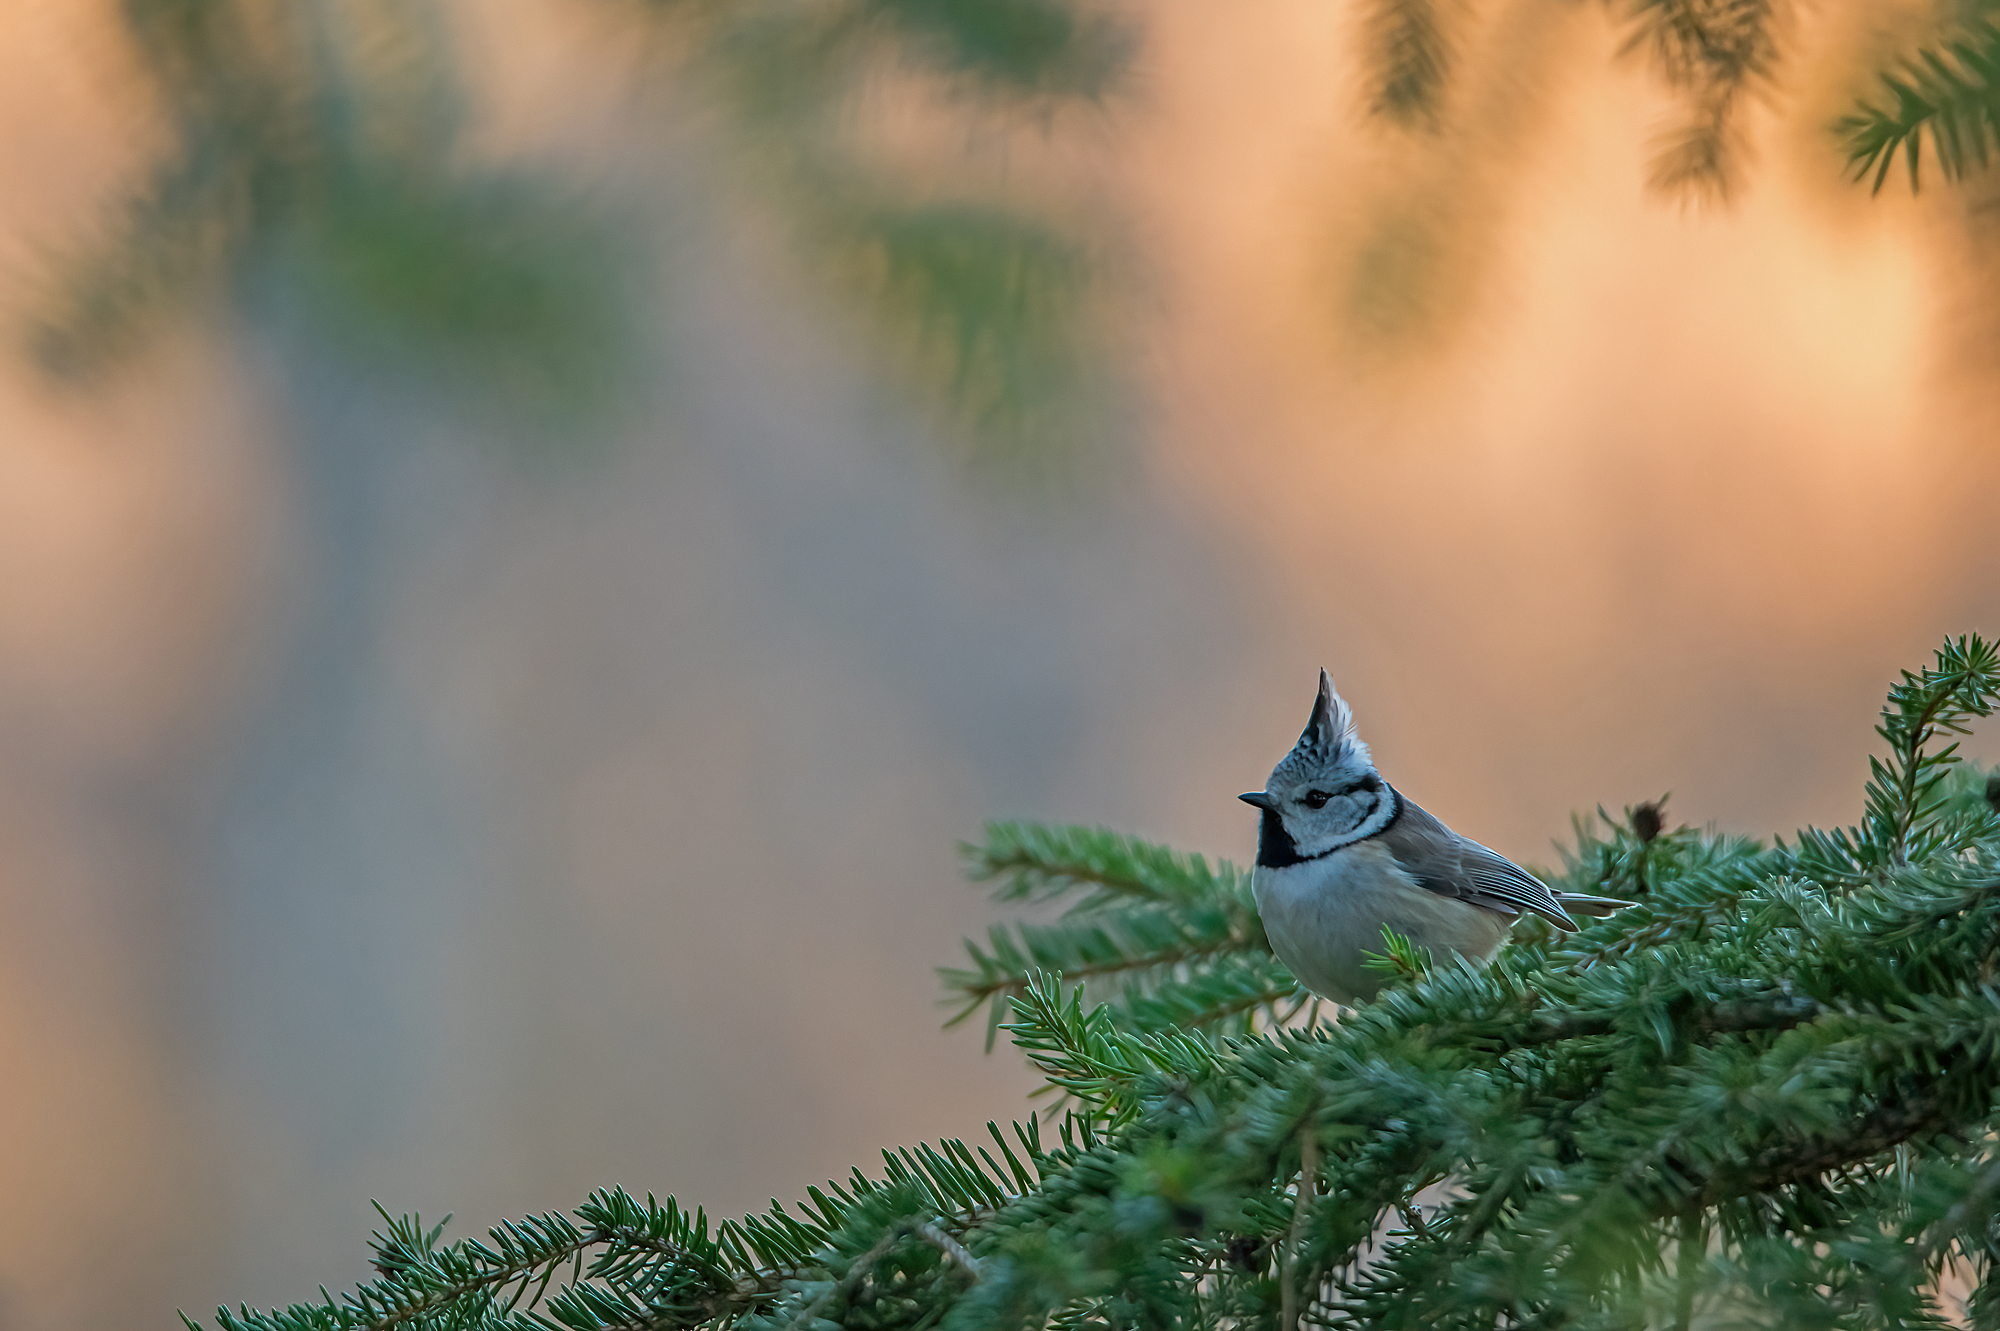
[{"x": 1322, "y": 915}]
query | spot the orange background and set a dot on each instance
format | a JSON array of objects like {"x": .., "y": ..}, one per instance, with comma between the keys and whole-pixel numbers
[{"x": 384, "y": 817}]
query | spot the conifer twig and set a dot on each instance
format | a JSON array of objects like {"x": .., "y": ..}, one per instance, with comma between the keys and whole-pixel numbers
[
  {"x": 1690, "y": 1255},
  {"x": 856, "y": 1272},
  {"x": 950, "y": 1247},
  {"x": 1288, "y": 1294}
]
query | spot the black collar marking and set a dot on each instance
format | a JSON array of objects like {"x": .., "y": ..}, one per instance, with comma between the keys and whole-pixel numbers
[{"x": 1276, "y": 849}]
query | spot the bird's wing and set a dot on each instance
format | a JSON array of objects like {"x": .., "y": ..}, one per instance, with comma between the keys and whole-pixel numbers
[{"x": 1446, "y": 863}]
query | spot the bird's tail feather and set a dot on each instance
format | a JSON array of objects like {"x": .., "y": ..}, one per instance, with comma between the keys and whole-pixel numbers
[{"x": 1582, "y": 905}]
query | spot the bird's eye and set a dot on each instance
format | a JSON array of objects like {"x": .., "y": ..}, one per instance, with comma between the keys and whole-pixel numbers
[{"x": 1316, "y": 799}]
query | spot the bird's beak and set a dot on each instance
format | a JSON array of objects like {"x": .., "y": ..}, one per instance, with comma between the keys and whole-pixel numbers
[{"x": 1258, "y": 798}]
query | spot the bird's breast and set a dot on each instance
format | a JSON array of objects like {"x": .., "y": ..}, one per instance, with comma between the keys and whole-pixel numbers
[{"x": 1324, "y": 915}]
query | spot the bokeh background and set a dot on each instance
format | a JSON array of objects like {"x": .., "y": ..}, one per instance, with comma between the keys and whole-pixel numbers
[{"x": 528, "y": 532}]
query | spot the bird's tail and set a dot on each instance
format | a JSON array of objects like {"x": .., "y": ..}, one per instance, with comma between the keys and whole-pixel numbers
[{"x": 1582, "y": 905}]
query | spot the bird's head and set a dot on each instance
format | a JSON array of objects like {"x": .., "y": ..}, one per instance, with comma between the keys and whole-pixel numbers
[{"x": 1326, "y": 793}]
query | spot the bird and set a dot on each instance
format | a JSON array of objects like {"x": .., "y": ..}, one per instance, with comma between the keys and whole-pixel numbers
[{"x": 1343, "y": 855}]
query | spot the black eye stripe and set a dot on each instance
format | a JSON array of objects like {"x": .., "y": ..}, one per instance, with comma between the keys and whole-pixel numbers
[{"x": 1317, "y": 799}]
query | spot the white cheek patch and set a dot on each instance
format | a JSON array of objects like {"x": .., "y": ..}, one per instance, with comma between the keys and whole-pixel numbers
[{"x": 1342, "y": 821}]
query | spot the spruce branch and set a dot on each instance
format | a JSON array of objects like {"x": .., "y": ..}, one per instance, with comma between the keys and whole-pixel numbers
[
  {"x": 1411, "y": 60},
  {"x": 1087, "y": 1056},
  {"x": 1400, "y": 959},
  {"x": 1020, "y": 47},
  {"x": 1948, "y": 93},
  {"x": 1288, "y": 1317},
  {"x": 1232, "y": 993},
  {"x": 1037, "y": 863},
  {"x": 1767, "y": 1091},
  {"x": 1183, "y": 941},
  {"x": 1716, "y": 52},
  {"x": 1136, "y": 944},
  {"x": 1777, "y": 1011},
  {"x": 653, "y": 1249},
  {"x": 1617, "y": 857},
  {"x": 1961, "y": 685}
]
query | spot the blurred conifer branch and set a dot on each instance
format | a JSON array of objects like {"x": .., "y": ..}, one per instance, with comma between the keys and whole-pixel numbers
[
  {"x": 1714, "y": 52},
  {"x": 1765, "y": 1095},
  {"x": 319, "y": 143},
  {"x": 1412, "y": 56},
  {"x": 983, "y": 301},
  {"x": 1717, "y": 54},
  {"x": 316, "y": 143},
  {"x": 1948, "y": 93}
]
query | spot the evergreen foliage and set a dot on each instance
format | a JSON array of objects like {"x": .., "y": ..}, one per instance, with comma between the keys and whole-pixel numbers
[
  {"x": 1183, "y": 942},
  {"x": 980, "y": 300},
  {"x": 1713, "y": 52},
  {"x": 1762, "y": 1096},
  {"x": 1948, "y": 93},
  {"x": 316, "y": 151},
  {"x": 1412, "y": 56},
  {"x": 316, "y": 146},
  {"x": 319, "y": 143}
]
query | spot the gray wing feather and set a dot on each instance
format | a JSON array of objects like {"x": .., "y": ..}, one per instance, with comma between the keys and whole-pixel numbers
[{"x": 1446, "y": 863}]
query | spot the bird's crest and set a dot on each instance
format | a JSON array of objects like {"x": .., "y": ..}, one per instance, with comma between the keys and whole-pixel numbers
[{"x": 1330, "y": 738}]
